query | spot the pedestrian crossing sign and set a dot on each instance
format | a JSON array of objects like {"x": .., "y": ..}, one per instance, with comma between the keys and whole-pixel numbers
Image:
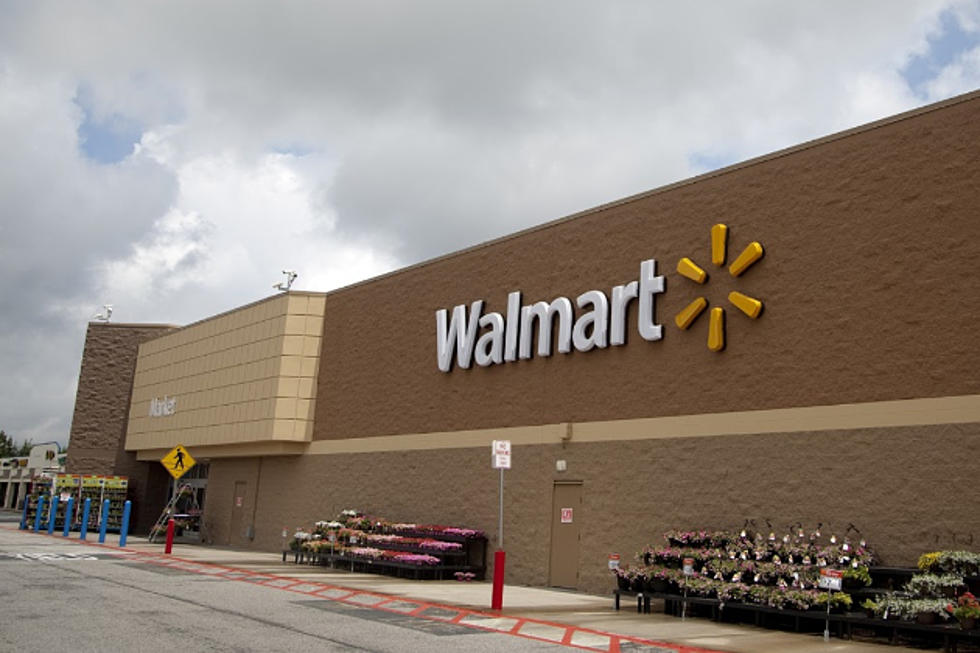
[{"x": 178, "y": 461}]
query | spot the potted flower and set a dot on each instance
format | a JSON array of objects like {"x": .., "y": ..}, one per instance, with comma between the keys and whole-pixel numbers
[
  {"x": 622, "y": 579},
  {"x": 927, "y": 611},
  {"x": 934, "y": 585},
  {"x": 728, "y": 592},
  {"x": 658, "y": 579},
  {"x": 637, "y": 580},
  {"x": 966, "y": 611}
]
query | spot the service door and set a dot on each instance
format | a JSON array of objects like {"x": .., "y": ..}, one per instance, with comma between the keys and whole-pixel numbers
[{"x": 566, "y": 518}]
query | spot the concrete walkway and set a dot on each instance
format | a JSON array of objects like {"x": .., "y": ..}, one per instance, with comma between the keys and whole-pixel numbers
[
  {"x": 574, "y": 618},
  {"x": 594, "y": 613}
]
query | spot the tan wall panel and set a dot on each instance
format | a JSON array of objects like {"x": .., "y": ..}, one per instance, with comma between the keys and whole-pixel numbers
[{"x": 226, "y": 374}]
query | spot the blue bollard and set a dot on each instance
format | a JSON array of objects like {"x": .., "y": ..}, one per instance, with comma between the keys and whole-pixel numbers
[
  {"x": 52, "y": 513},
  {"x": 23, "y": 516},
  {"x": 86, "y": 509},
  {"x": 105, "y": 521},
  {"x": 124, "y": 531},
  {"x": 68, "y": 513},
  {"x": 37, "y": 517}
]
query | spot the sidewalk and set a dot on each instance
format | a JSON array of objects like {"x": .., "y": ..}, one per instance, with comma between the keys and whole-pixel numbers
[
  {"x": 586, "y": 611},
  {"x": 595, "y": 614}
]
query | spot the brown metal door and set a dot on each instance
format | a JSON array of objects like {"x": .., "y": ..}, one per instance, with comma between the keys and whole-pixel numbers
[
  {"x": 235, "y": 533},
  {"x": 566, "y": 516}
]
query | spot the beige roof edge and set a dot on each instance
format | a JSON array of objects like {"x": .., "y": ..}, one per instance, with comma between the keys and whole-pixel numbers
[
  {"x": 130, "y": 325},
  {"x": 748, "y": 163},
  {"x": 307, "y": 293}
]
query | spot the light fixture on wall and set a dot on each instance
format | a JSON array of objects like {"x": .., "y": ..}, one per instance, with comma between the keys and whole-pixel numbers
[
  {"x": 105, "y": 314},
  {"x": 287, "y": 284}
]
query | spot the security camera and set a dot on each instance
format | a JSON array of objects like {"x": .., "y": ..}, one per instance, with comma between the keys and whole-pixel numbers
[{"x": 290, "y": 278}]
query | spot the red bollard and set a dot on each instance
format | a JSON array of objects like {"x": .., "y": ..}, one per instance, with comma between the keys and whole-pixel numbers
[
  {"x": 170, "y": 536},
  {"x": 499, "y": 560}
]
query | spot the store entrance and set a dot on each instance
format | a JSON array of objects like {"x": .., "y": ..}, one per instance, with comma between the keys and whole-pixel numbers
[
  {"x": 188, "y": 512},
  {"x": 566, "y": 516}
]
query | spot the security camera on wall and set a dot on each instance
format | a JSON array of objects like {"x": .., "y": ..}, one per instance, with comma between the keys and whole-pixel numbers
[
  {"x": 105, "y": 314},
  {"x": 287, "y": 284}
]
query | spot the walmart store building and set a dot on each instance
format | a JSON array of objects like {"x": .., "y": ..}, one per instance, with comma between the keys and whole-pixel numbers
[{"x": 791, "y": 339}]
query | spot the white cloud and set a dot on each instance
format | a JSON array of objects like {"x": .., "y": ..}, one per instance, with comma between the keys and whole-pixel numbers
[
  {"x": 962, "y": 75},
  {"x": 347, "y": 139}
]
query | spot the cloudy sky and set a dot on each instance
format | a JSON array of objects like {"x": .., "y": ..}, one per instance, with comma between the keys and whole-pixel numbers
[{"x": 171, "y": 158}]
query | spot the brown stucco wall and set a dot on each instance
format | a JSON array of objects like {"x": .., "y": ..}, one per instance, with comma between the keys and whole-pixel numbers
[
  {"x": 894, "y": 484},
  {"x": 869, "y": 281},
  {"x": 98, "y": 427}
]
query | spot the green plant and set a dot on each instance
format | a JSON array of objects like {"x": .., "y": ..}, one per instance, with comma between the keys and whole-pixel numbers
[
  {"x": 932, "y": 585},
  {"x": 840, "y": 600},
  {"x": 895, "y": 607},
  {"x": 906, "y": 608},
  {"x": 869, "y": 605},
  {"x": 732, "y": 591},
  {"x": 699, "y": 585},
  {"x": 961, "y": 563},
  {"x": 858, "y": 574},
  {"x": 937, "y": 607},
  {"x": 800, "y": 599},
  {"x": 759, "y": 594}
]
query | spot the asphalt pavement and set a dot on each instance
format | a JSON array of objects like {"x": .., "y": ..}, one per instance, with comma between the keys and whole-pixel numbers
[{"x": 60, "y": 591}]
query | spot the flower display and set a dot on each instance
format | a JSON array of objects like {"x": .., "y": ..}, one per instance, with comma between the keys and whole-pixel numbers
[
  {"x": 780, "y": 571},
  {"x": 356, "y": 536}
]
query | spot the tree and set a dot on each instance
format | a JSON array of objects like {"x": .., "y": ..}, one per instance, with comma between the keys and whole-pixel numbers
[
  {"x": 10, "y": 450},
  {"x": 7, "y": 449}
]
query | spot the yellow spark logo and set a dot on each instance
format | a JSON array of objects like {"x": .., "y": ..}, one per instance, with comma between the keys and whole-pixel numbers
[{"x": 690, "y": 270}]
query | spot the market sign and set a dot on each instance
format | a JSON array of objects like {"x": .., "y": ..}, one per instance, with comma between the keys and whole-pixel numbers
[
  {"x": 495, "y": 338},
  {"x": 178, "y": 461},
  {"x": 163, "y": 407}
]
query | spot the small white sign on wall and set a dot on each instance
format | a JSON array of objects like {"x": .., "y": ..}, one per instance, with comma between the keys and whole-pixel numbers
[
  {"x": 566, "y": 515},
  {"x": 500, "y": 454}
]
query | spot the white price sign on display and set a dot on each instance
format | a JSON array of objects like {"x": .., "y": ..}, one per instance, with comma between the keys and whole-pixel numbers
[
  {"x": 688, "y": 566},
  {"x": 830, "y": 579},
  {"x": 500, "y": 454}
]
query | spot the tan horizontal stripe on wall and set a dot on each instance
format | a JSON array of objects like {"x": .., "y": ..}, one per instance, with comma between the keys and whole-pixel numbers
[{"x": 881, "y": 414}]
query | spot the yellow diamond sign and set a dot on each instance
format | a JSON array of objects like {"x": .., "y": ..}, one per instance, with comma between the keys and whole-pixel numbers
[{"x": 178, "y": 461}]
